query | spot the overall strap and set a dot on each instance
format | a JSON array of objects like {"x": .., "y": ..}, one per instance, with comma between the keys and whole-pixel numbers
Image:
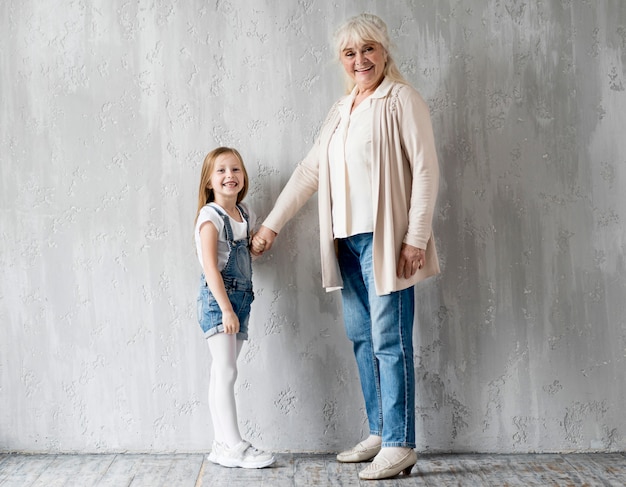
[
  {"x": 229, "y": 230},
  {"x": 227, "y": 227},
  {"x": 246, "y": 217}
]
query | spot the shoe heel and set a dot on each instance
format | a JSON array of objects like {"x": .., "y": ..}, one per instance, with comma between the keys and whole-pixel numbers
[{"x": 407, "y": 471}]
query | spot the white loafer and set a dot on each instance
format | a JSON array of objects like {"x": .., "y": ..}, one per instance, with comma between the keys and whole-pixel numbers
[
  {"x": 383, "y": 468},
  {"x": 358, "y": 453}
]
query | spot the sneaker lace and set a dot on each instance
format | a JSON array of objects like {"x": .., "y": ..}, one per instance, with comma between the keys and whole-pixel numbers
[{"x": 255, "y": 452}]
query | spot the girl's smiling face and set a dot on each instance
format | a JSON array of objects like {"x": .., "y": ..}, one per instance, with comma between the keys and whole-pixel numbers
[
  {"x": 227, "y": 178},
  {"x": 365, "y": 64}
]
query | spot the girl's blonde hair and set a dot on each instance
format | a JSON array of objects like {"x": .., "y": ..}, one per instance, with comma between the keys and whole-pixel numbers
[
  {"x": 205, "y": 194},
  {"x": 367, "y": 28}
]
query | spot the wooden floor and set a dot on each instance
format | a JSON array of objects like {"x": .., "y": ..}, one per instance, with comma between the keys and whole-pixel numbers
[{"x": 309, "y": 470}]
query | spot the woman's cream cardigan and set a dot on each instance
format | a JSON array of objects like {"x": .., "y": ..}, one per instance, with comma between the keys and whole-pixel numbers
[{"x": 405, "y": 181}]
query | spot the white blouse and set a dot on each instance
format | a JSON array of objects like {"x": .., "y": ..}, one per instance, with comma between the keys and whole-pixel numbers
[{"x": 350, "y": 160}]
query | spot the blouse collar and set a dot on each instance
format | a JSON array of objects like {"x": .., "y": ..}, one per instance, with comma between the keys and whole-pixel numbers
[{"x": 381, "y": 91}]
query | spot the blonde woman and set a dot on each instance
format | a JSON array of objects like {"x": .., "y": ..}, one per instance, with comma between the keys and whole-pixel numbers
[{"x": 374, "y": 166}]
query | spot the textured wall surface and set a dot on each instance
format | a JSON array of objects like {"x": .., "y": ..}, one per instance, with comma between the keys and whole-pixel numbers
[{"x": 107, "y": 109}]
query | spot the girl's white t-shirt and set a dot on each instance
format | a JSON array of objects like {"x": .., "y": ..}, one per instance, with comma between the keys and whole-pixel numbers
[{"x": 240, "y": 230}]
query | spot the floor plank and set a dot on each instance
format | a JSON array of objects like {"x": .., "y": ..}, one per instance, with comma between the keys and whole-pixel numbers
[
  {"x": 605, "y": 469},
  {"x": 184, "y": 470},
  {"x": 448, "y": 470},
  {"x": 300, "y": 470},
  {"x": 73, "y": 470},
  {"x": 20, "y": 470},
  {"x": 151, "y": 470}
]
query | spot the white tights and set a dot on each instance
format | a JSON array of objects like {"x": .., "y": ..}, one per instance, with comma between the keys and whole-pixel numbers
[{"x": 224, "y": 352}]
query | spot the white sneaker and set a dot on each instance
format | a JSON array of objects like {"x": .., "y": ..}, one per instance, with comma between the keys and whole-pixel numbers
[
  {"x": 215, "y": 452},
  {"x": 243, "y": 455}
]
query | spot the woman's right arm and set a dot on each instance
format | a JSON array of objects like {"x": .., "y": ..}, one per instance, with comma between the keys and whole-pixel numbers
[
  {"x": 208, "y": 240},
  {"x": 302, "y": 184}
]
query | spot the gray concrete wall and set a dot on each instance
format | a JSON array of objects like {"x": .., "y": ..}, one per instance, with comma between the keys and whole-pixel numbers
[{"x": 107, "y": 109}]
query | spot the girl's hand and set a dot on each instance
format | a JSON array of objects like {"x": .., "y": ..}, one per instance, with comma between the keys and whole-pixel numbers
[
  {"x": 258, "y": 245},
  {"x": 263, "y": 239},
  {"x": 230, "y": 322}
]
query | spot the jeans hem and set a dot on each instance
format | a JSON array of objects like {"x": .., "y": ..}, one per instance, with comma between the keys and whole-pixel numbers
[
  {"x": 220, "y": 329},
  {"x": 397, "y": 444}
]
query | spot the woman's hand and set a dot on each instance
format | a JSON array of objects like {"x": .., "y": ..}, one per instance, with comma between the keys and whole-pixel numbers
[
  {"x": 262, "y": 240},
  {"x": 230, "y": 322},
  {"x": 411, "y": 259}
]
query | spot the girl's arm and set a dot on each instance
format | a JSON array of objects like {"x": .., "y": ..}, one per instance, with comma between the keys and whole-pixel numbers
[{"x": 208, "y": 239}]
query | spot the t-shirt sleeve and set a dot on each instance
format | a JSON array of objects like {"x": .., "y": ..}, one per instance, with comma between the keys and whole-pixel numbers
[{"x": 208, "y": 214}]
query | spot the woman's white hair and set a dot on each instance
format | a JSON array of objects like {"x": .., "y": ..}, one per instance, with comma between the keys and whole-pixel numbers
[{"x": 367, "y": 28}]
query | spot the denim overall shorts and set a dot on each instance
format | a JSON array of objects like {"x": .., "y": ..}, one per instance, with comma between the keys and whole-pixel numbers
[{"x": 237, "y": 276}]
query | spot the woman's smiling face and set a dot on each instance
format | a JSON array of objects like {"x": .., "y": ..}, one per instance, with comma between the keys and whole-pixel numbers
[{"x": 365, "y": 64}]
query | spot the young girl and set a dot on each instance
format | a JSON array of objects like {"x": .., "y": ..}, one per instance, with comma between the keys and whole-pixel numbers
[{"x": 222, "y": 234}]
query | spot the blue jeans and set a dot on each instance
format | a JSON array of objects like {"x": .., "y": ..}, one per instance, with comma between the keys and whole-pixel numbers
[{"x": 381, "y": 330}]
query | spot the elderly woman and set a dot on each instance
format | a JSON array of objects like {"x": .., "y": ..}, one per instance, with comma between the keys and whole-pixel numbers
[{"x": 374, "y": 166}]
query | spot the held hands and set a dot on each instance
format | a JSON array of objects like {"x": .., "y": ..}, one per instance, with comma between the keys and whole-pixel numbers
[
  {"x": 257, "y": 246},
  {"x": 262, "y": 240},
  {"x": 411, "y": 259}
]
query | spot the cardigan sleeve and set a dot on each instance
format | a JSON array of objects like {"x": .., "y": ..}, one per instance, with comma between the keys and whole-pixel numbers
[
  {"x": 418, "y": 141},
  {"x": 302, "y": 184}
]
